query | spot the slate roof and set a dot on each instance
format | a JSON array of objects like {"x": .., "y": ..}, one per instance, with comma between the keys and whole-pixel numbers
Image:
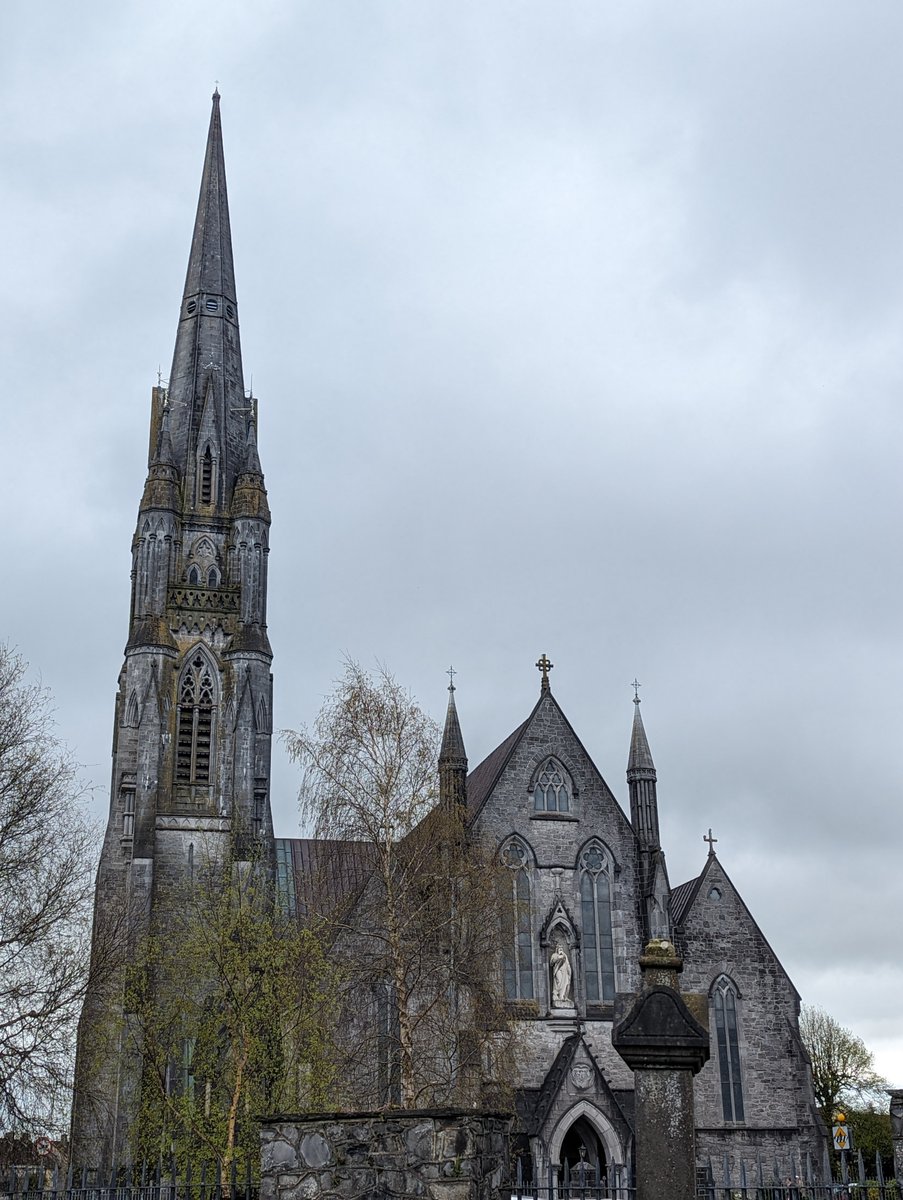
[
  {"x": 325, "y": 874},
  {"x": 681, "y": 898},
  {"x": 482, "y": 778}
]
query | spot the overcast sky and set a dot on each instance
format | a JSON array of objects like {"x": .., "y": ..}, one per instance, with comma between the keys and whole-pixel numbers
[{"x": 576, "y": 328}]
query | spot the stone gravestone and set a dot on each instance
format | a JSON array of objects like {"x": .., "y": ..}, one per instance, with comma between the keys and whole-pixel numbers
[{"x": 663, "y": 1037}]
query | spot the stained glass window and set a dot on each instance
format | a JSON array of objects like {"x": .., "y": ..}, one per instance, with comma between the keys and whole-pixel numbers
[
  {"x": 724, "y": 1003},
  {"x": 518, "y": 956},
  {"x": 595, "y": 910}
]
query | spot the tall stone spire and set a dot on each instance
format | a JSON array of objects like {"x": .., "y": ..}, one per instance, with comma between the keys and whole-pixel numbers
[
  {"x": 193, "y": 715},
  {"x": 642, "y": 782},
  {"x": 452, "y": 757},
  {"x": 206, "y": 386}
]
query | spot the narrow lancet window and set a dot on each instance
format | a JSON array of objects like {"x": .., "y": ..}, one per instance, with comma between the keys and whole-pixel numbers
[
  {"x": 595, "y": 911},
  {"x": 195, "y": 723},
  {"x": 518, "y": 956},
  {"x": 207, "y": 477},
  {"x": 724, "y": 1003}
]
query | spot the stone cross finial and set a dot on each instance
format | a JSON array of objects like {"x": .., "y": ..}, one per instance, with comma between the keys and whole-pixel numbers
[
  {"x": 545, "y": 666},
  {"x": 711, "y": 840}
]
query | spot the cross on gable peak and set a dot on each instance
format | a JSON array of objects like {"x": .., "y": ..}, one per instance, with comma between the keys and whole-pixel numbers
[
  {"x": 711, "y": 840},
  {"x": 544, "y": 665}
]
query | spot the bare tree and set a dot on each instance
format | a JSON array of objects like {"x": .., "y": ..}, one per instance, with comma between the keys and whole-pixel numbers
[
  {"x": 418, "y": 939},
  {"x": 843, "y": 1068},
  {"x": 47, "y": 850}
]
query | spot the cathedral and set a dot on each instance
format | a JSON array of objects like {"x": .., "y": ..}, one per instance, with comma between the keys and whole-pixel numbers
[{"x": 588, "y": 879}]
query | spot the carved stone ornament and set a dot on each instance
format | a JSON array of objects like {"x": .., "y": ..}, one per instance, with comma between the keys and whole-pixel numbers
[{"x": 581, "y": 1075}]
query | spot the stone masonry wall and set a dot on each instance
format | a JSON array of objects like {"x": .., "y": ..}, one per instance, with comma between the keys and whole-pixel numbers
[
  {"x": 719, "y": 937},
  {"x": 433, "y": 1154}
]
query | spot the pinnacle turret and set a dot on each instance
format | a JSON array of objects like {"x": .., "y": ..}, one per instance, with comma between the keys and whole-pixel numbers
[
  {"x": 641, "y": 780},
  {"x": 640, "y": 761},
  {"x": 452, "y": 756}
]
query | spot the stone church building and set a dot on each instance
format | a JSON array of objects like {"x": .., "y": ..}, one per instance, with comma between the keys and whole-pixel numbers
[{"x": 589, "y": 884}]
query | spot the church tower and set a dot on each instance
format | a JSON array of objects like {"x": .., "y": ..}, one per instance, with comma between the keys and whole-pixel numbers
[{"x": 192, "y": 724}]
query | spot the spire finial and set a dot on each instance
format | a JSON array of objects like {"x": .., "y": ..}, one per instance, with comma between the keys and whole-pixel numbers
[
  {"x": 544, "y": 666},
  {"x": 451, "y": 673},
  {"x": 636, "y": 685},
  {"x": 711, "y": 840}
]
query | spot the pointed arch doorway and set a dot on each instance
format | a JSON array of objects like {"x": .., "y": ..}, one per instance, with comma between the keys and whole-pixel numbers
[{"x": 582, "y": 1160}]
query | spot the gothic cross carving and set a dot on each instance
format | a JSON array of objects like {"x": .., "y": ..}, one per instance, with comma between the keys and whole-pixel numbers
[
  {"x": 545, "y": 666},
  {"x": 711, "y": 840}
]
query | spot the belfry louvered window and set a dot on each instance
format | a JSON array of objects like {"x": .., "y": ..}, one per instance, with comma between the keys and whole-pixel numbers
[
  {"x": 518, "y": 955},
  {"x": 207, "y": 477},
  {"x": 595, "y": 912},
  {"x": 551, "y": 792},
  {"x": 197, "y": 696},
  {"x": 724, "y": 1003}
]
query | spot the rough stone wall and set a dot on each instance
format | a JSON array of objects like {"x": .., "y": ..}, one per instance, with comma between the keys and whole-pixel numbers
[
  {"x": 439, "y": 1154},
  {"x": 719, "y": 937},
  {"x": 556, "y": 841}
]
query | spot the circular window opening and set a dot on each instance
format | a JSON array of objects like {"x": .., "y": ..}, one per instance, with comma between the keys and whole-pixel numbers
[
  {"x": 715, "y": 894},
  {"x": 191, "y": 305},
  {"x": 230, "y": 311}
]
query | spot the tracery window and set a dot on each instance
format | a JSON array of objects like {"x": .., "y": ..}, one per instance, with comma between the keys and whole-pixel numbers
[
  {"x": 518, "y": 953},
  {"x": 197, "y": 695},
  {"x": 551, "y": 792},
  {"x": 725, "y": 1004},
  {"x": 595, "y": 911}
]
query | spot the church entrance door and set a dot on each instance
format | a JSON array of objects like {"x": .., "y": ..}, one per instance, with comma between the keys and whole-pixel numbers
[{"x": 583, "y": 1161}]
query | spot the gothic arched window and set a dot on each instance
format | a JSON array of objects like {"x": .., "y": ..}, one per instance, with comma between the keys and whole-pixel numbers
[
  {"x": 194, "y": 746},
  {"x": 595, "y": 913},
  {"x": 724, "y": 1005},
  {"x": 518, "y": 952},
  {"x": 551, "y": 792}
]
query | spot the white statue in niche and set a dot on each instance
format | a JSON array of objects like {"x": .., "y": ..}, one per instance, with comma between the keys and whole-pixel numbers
[{"x": 562, "y": 976}]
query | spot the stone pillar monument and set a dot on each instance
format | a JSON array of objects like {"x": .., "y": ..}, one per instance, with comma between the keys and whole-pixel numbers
[
  {"x": 663, "y": 1037},
  {"x": 896, "y": 1130}
]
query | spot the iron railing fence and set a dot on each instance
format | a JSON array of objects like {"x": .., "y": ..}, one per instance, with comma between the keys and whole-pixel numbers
[
  {"x": 731, "y": 1179},
  {"x": 144, "y": 1182}
]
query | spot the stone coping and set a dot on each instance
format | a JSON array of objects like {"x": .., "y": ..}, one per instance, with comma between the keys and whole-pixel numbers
[{"x": 385, "y": 1114}]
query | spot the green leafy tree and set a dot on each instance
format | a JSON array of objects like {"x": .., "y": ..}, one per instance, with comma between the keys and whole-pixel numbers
[
  {"x": 417, "y": 932},
  {"x": 230, "y": 1011},
  {"x": 870, "y": 1131},
  {"x": 843, "y": 1070}
]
